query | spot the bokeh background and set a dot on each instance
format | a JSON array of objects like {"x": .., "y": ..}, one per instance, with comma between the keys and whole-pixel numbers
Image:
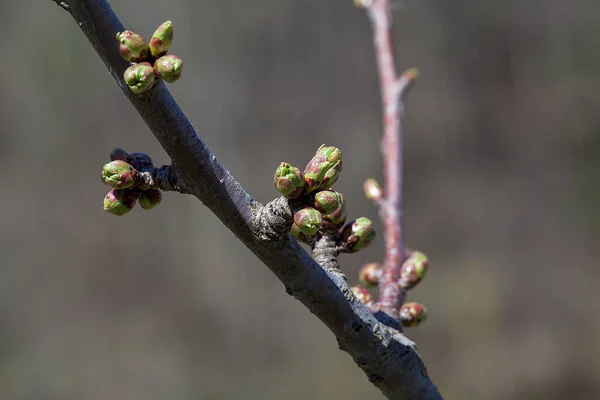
[{"x": 502, "y": 192}]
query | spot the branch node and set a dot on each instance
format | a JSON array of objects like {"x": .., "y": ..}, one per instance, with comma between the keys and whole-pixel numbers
[{"x": 274, "y": 220}]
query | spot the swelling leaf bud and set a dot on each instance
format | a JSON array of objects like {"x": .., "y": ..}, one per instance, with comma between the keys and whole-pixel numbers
[
  {"x": 362, "y": 294},
  {"x": 119, "y": 174},
  {"x": 119, "y": 154},
  {"x": 139, "y": 77},
  {"x": 412, "y": 314},
  {"x": 169, "y": 68},
  {"x": 120, "y": 202},
  {"x": 161, "y": 39},
  {"x": 331, "y": 205},
  {"x": 289, "y": 180},
  {"x": 372, "y": 190},
  {"x": 308, "y": 220},
  {"x": 132, "y": 46},
  {"x": 150, "y": 198},
  {"x": 358, "y": 234},
  {"x": 370, "y": 273},
  {"x": 413, "y": 270},
  {"x": 324, "y": 169}
]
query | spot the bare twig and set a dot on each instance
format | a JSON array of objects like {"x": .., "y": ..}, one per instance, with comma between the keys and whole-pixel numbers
[
  {"x": 387, "y": 357},
  {"x": 393, "y": 90}
]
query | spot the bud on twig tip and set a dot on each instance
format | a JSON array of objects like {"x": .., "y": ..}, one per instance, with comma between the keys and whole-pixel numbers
[
  {"x": 289, "y": 180},
  {"x": 161, "y": 39},
  {"x": 412, "y": 314},
  {"x": 323, "y": 170}
]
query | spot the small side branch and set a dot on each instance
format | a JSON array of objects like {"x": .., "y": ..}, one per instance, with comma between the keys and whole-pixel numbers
[
  {"x": 393, "y": 91},
  {"x": 164, "y": 178}
]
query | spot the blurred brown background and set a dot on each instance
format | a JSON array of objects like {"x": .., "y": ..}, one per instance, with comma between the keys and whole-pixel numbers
[{"x": 502, "y": 186}]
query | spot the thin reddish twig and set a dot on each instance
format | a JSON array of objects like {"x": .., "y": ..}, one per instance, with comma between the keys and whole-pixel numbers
[{"x": 393, "y": 88}]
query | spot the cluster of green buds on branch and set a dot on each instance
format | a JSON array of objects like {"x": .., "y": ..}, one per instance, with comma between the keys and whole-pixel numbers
[
  {"x": 412, "y": 272},
  {"x": 149, "y": 62},
  {"x": 122, "y": 173},
  {"x": 319, "y": 210}
]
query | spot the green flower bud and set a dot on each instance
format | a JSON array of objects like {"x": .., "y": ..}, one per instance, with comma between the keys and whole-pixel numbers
[
  {"x": 308, "y": 220},
  {"x": 372, "y": 190},
  {"x": 324, "y": 169},
  {"x": 289, "y": 180},
  {"x": 370, "y": 273},
  {"x": 358, "y": 234},
  {"x": 119, "y": 174},
  {"x": 132, "y": 46},
  {"x": 362, "y": 294},
  {"x": 119, "y": 154},
  {"x": 150, "y": 198},
  {"x": 120, "y": 202},
  {"x": 413, "y": 270},
  {"x": 161, "y": 39},
  {"x": 297, "y": 233},
  {"x": 331, "y": 204},
  {"x": 139, "y": 77},
  {"x": 140, "y": 161},
  {"x": 169, "y": 68},
  {"x": 412, "y": 314}
]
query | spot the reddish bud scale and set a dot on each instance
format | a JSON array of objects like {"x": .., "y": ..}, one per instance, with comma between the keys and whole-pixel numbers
[
  {"x": 119, "y": 174},
  {"x": 412, "y": 314},
  {"x": 161, "y": 39},
  {"x": 132, "y": 46},
  {"x": 358, "y": 234},
  {"x": 370, "y": 273},
  {"x": 323, "y": 169},
  {"x": 308, "y": 220},
  {"x": 120, "y": 202},
  {"x": 413, "y": 270},
  {"x": 169, "y": 68},
  {"x": 289, "y": 180},
  {"x": 331, "y": 204}
]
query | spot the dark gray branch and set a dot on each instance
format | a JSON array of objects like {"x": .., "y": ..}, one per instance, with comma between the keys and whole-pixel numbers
[{"x": 388, "y": 358}]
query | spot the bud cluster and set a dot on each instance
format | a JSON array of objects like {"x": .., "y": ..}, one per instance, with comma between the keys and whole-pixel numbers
[
  {"x": 150, "y": 62},
  {"x": 122, "y": 174},
  {"x": 320, "y": 209},
  {"x": 412, "y": 272}
]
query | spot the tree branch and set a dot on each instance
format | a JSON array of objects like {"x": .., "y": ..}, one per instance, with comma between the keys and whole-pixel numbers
[
  {"x": 393, "y": 90},
  {"x": 388, "y": 358}
]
